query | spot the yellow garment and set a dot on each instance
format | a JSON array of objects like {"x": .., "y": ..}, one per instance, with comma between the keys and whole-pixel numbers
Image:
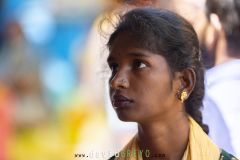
[{"x": 200, "y": 147}]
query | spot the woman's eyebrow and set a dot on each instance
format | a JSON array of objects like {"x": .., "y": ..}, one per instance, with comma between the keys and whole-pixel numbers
[
  {"x": 138, "y": 54},
  {"x": 131, "y": 54}
]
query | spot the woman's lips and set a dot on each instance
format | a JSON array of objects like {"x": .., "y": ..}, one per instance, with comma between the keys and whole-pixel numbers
[
  {"x": 120, "y": 101},
  {"x": 121, "y": 104}
]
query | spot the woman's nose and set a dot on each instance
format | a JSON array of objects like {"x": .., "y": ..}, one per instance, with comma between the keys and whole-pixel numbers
[{"x": 119, "y": 81}]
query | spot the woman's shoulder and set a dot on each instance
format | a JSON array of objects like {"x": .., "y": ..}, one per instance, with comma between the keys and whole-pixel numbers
[{"x": 227, "y": 156}]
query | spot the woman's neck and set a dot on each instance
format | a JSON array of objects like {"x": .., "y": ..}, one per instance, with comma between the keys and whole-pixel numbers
[{"x": 167, "y": 137}]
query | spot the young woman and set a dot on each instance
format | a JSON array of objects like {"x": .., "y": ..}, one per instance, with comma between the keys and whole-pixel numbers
[{"x": 157, "y": 81}]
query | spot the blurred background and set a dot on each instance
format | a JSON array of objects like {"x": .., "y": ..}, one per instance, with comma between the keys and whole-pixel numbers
[{"x": 53, "y": 81}]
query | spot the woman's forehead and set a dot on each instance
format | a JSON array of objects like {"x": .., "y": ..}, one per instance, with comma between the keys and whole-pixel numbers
[
  {"x": 126, "y": 44},
  {"x": 129, "y": 40},
  {"x": 130, "y": 52}
]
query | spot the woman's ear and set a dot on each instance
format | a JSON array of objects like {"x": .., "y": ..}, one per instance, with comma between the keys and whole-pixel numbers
[{"x": 188, "y": 80}]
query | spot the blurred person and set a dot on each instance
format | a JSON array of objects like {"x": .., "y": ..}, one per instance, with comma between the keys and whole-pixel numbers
[
  {"x": 194, "y": 12},
  {"x": 157, "y": 81},
  {"x": 19, "y": 69},
  {"x": 222, "y": 98},
  {"x": 24, "y": 104}
]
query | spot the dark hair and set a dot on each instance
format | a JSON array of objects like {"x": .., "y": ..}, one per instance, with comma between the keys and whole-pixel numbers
[
  {"x": 168, "y": 34},
  {"x": 229, "y": 15}
]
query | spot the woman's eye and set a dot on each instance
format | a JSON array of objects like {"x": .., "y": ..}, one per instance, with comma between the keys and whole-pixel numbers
[{"x": 139, "y": 64}]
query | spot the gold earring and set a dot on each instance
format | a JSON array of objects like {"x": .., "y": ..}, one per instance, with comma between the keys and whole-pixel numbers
[{"x": 184, "y": 96}]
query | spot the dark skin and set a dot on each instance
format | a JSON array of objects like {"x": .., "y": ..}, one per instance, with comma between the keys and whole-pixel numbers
[{"x": 151, "y": 96}]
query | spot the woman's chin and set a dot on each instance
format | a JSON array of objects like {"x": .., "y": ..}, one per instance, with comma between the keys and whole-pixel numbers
[{"x": 126, "y": 117}]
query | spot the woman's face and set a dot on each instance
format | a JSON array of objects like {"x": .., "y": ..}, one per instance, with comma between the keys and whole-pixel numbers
[{"x": 141, "y": 86}]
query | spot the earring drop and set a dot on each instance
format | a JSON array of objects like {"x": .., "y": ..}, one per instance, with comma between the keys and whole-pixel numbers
[{"x": 183, "y": 96}]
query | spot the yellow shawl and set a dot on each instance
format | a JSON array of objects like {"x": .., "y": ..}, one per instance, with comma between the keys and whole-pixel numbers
[{"x": 200, "y": 147}]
